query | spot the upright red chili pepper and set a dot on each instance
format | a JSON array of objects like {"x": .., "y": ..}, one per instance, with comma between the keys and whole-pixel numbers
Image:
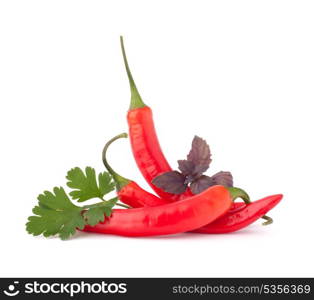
[
  {"x": 144, "y": 142},
  {"x": 171, "y": 218}
]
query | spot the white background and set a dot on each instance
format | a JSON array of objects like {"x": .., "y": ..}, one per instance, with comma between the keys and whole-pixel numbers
[{"x": 237, "y": 73}]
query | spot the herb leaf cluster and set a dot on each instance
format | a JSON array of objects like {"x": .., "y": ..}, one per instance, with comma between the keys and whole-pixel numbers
[
  {"x": 56, "y": 214},
  {"x": 191, "y": 172}
]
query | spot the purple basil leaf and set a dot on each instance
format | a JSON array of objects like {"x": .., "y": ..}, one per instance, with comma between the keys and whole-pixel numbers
[
  {"x": 199, "y": 170},
  {"x": 223, "y": 178},
  {"x": 200, "y": 154},
  {"x": 190, "y": 170},
  {"x": 186, "y": 167},
  {"x": 171, "y": 182},
  {"x": 201, "y": 184}
]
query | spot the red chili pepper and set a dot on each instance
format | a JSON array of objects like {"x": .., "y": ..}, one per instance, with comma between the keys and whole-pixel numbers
[
  {"x": 144, "y": 142},
  {"x": 241, "y": 215},
  {"x": 171, "y": 218}
]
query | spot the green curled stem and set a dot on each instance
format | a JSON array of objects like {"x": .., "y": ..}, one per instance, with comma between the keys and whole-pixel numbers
[
  {"x": 119, "y": 180},
  {"x": 269, "y": 220},
  {"x": 239, "y": 193}
]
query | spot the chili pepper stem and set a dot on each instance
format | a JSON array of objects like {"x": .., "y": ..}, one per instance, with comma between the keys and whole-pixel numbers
[
  {"x": 100, "y": 203},
  {"x": 269, "y": 220},
  {"x": 239, "y": 193},
  {"x": 136, "y": 100},
  {"x": 117, "y": 203},
  {"x": 119, "y": 180},
  {"x": 104, "y": 201},
  {"x": 123, "y": 205}
]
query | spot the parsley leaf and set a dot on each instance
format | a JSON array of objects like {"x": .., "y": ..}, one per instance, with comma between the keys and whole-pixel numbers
[
  {"x": 97, "y": 212},
  {"x": 86, "y": 184},
  {"x": 55, "y": 214}
]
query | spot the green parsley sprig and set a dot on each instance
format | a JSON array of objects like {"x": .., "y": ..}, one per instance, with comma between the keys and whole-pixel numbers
[{"x": 56, "y": 214}]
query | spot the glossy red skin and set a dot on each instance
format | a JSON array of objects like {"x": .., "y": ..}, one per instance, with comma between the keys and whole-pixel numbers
[
  {"x": 171, "y": 218},
  {"x": 147, "y": 151},
  {"x": 241, "y": 215},
  {"x": 133, "y": 195}
]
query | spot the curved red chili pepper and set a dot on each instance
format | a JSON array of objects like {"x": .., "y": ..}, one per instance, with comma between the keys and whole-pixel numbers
[
  {"x": 171, "y": 218},
  {"x": 241, "y": 215},
  {"x": 134, "y": 196},
  {"x": 144, "y": 142}
]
